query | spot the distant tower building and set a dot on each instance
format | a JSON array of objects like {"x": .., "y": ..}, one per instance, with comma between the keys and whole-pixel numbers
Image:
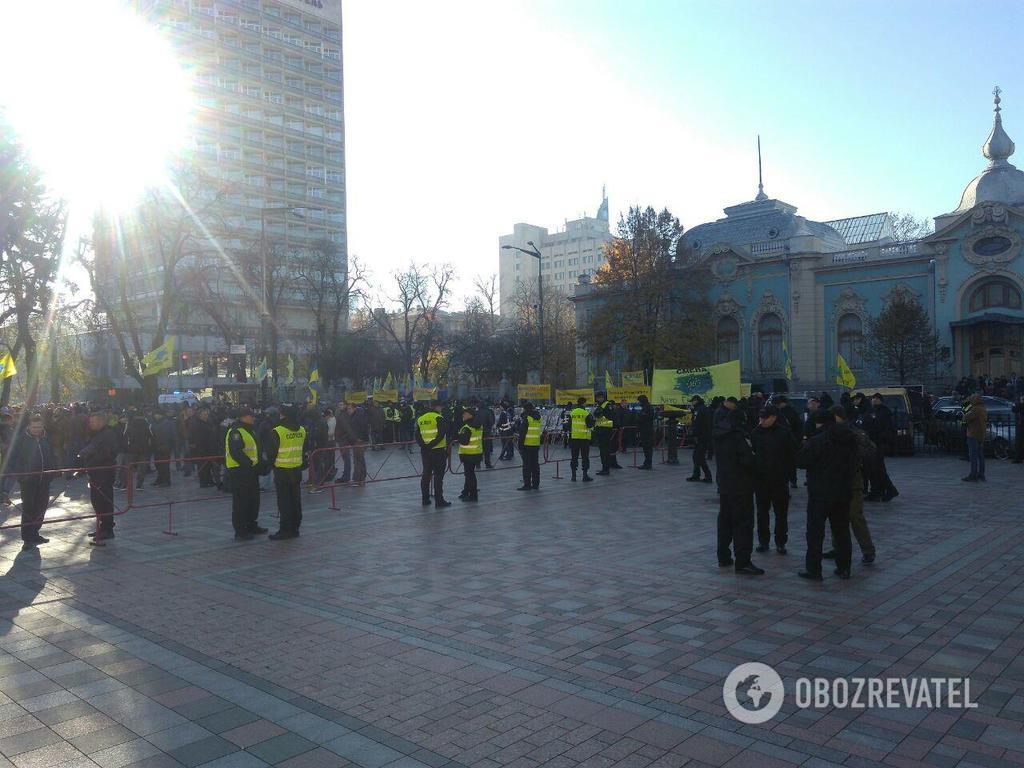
[{"x": 579, "y": 248}]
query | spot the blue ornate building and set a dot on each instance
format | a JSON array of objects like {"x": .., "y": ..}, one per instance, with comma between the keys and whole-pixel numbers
[{"x": 782, "y": 282}]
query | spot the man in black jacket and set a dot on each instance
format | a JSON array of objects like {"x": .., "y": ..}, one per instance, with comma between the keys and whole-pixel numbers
[
  {"x": 359, "y": 435},
  {"x": 700, "y": 428},
  {"x": 164, "y": 437},
  {"x": 31, "y": 453},
  {"x": 830, "y": 458},
  {"x": 202, "y": 440},
  {"x": 881, "y": 428},
  {"x": 775, "y": 461},
  {"x": 645, "y": 431},
  {"x": 98, "y": 457},
  {"x": 734, "y": 460},
  {"x": 139, "y": 446}
]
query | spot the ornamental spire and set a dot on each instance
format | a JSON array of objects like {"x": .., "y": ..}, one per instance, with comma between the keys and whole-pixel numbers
[
  {"x": 760, "y": 181},
  {"x": 998, "y": 147}
]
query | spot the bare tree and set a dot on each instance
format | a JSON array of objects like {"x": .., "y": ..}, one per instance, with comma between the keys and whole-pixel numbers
[
  {"x": 906, "y": 227},
  {"x": 419, "y": 296},
  {"x": 329, "y": 288}
]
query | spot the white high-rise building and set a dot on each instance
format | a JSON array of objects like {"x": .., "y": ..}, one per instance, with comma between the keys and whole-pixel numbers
[{"x": 564, "y": 256}]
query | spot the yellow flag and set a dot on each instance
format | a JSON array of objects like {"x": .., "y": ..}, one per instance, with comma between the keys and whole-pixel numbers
[
  {"x": 789, "y": 363},
  {"x": 7, "y": 368},
  {"x": 608, "y": 383},
  {"x": 845, "y": 377},
  {"x": 160, "y": 359}
]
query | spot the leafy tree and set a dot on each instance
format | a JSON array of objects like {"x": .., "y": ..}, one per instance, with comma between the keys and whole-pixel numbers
[
  {"x": 902, "y": 343},
  {"x": 648, "y": 309},
  {"x": 32, "y": 226}
]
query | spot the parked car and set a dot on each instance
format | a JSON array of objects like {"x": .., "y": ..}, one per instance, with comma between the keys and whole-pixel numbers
[
  {"x": 994, "y": 405},
  {"x": 946, "y": 430}
]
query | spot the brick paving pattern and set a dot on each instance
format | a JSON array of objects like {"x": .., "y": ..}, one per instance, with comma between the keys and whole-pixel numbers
[{"x": 585, "y": 625}]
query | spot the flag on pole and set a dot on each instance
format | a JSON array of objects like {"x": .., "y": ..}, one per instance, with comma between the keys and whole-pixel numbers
[
  {"x": 314, "y": 383},
  {"x": 789, "y": 363},
  {"x": 261, "y": 370},
  {"x": 845, "y": 376},
  {"x": 160, "y": 359},
  {"x": 7, "y": 368},
  {"x": 290, "y": 368},
  {"x": 608, "y": 383},
  {"x": 389, "y": 382}
]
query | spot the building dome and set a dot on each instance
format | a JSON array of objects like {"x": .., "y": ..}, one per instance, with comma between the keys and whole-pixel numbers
[{"x": 1000, "y": 182}]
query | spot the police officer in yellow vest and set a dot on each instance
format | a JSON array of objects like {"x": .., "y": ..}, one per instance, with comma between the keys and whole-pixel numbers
[
  {"x": 603, "y": 428},
  {"x": 530, "y": 432},
  {"x": 242, "y": 460},
  {"x": 580, "y": 431},
  {"x": 471, "y": 452},
  {"x": 431, "y": 432},
  {"x": 288, "y": 453}
]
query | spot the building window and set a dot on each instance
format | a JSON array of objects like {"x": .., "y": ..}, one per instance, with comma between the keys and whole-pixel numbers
[
  {"x": 728, "y": 339},
  {"x": 769, "y": 343},
  {"x": 995, "y": 293},
  {"x": 851, "y": 340}
]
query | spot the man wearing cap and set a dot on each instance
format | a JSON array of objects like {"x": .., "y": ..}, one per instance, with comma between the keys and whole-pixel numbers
[
  {"x": 700, "y": 428},
  {"x": 98, "y": 457},
  {"x": 242, "y": 460},
  {"x": 530, "y": 433},
  {"x": 471, "y": 451},
  {"x": 581, "y": 429},
  {"x": 775, "y": 461},
  {"x": 288, "y": 453},
  {"x": 734, "y": 460},
  {"x": 604, "y": 424},
  {"x": 431, "y": 435}
]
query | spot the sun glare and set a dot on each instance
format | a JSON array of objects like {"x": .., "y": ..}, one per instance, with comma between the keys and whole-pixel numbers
[{"x": 96, "y": 95}]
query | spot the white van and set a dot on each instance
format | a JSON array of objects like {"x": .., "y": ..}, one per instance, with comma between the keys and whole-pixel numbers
[{"x": 175, "y": 398}]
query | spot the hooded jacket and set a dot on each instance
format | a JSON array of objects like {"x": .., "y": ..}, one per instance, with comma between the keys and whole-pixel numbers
[{"x": 976, "y": 418}]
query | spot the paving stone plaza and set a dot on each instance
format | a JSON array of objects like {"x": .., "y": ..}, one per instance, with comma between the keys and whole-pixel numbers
[{"x": 584, "y": 625}]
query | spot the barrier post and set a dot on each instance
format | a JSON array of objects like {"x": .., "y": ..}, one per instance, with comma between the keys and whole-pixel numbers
[
  {"x": 334, "y": 502},
  {"x": 170, "y": 520}
]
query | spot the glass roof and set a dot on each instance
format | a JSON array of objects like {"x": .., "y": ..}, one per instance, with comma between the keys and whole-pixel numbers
[{"x": 863, "y": 229}]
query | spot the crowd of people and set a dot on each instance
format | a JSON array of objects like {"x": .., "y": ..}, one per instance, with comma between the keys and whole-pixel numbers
[{"x": 758, "y": 446}]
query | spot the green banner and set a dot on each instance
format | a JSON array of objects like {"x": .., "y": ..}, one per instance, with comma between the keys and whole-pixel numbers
[{"x": 680, "y": 384}]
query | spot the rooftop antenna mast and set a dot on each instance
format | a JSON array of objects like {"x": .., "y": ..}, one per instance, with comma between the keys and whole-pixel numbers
[{"x": 760, "y": 181}]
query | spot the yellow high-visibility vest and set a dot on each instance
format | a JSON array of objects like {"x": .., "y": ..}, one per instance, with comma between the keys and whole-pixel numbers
[
  {"x": 533, "y": 431},
  {"x": 248, "y": 447},
  {"x": 603, "y": 422},
  {"x": 289, "y": 454},
  {"x": 475, "y": 446},
  {"x": 580, "y": 430},
  {"x": 428, "y": 428}
]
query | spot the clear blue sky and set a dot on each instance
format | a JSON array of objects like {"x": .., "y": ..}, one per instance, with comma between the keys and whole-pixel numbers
[{"x": 469, "y": 117}]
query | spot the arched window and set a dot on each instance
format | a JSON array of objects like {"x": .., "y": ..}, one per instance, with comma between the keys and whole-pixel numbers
[
  {"x": 995, "y": 293},
  {"x": 728, "y": 339},
  {"x": 769, "y": 343},
  {"x": 851, "y": 340}
]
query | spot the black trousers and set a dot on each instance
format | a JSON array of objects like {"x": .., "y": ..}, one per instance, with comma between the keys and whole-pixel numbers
[
  {"x": 358, "y": 463},
  {"x": 838, "y": 517},
  {"x": 769, "y": 495},
  {"x": 163, "y": 466},
  {"x": 488, "y": 449},
  {"x": 604, "y": 447},
  {"x": 579, "y": 449},
  {"x": 469, "y": 465},
  {"x": 700, "y": 459},
  {"x": 881, "y": 484},
  {"x": 35, "y": 498},
  {"x": 433, "y": 470},
  {"x": 508, "y": 448},
  {"x": 672, "y": 445},
  {"x": 288, "y": 484},
  {"x": 647, "y": 444},
  {"x": 245, "y": 499},
  {"x": 101, "y": 495},
  {"x": 205, "y": 472},
  {"x": 735, "y": 527},
  {"x": 531, "y": 465}
]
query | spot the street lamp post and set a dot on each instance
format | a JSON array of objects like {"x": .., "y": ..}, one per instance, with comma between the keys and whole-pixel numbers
[{"x": 540, "y": 294}]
